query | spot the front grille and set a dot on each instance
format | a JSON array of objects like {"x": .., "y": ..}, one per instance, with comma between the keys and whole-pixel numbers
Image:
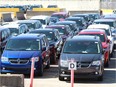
[
  {"x": 18, "y": 60},
  {"x": 83, "y": 64}
]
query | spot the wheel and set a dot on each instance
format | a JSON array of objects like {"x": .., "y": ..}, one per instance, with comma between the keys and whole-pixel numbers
[
  {"x": 107, "y": 64},
  {"x": 61, "y": 78},
  {"x": 41, "y": 70},
  {"x": 48, "y": 64},
  {"x": 111, "y": 55},
  {"x": 100, "y": 78},
  {"x": 53, "y": 58}
]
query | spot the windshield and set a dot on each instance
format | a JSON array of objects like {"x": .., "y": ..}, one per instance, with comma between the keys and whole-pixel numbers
[
  {"x": 85, "y": 17},
  {"x": 78, "y": 22},
  {"x": 30, "y": 25},
  {"x": 42, "y": 21},
  {"x": 50, "y": 35},
  {"x": 61, "y": 31},
  {"x": 102, "y": 38},
  {"x": 109, "y": 23},
  {"x": 82, "y": 47},
  {"x": 14, "y": 31},
  {"x": 23, "y": 45}
]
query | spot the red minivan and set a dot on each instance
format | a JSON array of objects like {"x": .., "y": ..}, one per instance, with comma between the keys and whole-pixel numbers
[{"x": 105, "y": 41}]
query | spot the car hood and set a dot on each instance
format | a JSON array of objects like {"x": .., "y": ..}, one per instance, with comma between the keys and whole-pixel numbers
[
  {"x": 81, "y": 57},
  {"x": 21, "y": 54}
]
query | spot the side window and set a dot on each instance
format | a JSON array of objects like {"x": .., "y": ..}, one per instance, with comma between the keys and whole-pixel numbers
[
  {"x": 101, "y": 48},
  {"x": 46, "y": 41},
  {"x": 3, "y": 36},
  {"x": 8, "y": 31},
  {"x": 68, "y": 29},
  {"x": 21, "y": 30},
  {"x": 43, "y": 43},
  {"x": 115, "y": 24},
  {"x": 57, "y": 35}
]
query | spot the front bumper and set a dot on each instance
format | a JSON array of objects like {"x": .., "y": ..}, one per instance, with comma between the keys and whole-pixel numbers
[
  {"x": 19, "y": 69},
  {"x": 92, "y": 72}
]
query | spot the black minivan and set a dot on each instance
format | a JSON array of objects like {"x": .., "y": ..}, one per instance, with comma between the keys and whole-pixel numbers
[
  {"x": 87, "y": 52},
  {"x": 4, "y": 37}
]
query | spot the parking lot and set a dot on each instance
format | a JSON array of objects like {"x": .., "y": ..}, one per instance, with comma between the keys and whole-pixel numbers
[
  {"x": 48, "y": 39},
  {"x": 50, "y": 78}
]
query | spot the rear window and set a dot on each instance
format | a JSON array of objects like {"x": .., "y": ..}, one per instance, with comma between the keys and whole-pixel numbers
[
  {"x": 101, "y": 36},
  {"x": 109, "y": 23},
  {"x": 50, "y": 35}
]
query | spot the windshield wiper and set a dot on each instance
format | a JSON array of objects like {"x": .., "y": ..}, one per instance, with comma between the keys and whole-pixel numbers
[{"x": 70, "y": 52}]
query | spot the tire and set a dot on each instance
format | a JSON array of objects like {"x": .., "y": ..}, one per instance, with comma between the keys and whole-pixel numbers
[
  {"x": 61, "y": 78},
  {"x": 41, "y": 70},
  {"x": 100, "y": 78},
  {"x": 107, "y": 64},
  {"x": 53, "y": 58},
  {"x": 48, "y": 64}
]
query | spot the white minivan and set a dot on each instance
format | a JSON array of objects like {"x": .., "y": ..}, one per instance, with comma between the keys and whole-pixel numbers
[
  {"x": 107, "y": 28},
  {"x": 44, "y": 19},
  {"x": 16, "y": 29}
]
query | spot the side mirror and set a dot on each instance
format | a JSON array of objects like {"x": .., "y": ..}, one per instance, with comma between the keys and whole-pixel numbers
[{"x": 44, "y": 48}]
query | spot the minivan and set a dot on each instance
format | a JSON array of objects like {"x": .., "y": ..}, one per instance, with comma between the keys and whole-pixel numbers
[{"x": 87, "y": 52}]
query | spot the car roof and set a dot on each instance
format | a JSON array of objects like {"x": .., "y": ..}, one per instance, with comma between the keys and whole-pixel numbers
[
  {"x": 74, "y": 18},
  {"x": 11, "y": 25},
  {"x": 92, "y": 31},
  {"x": 2, "y": 28},
  {"x": 50, "y": 26},
  {"x": 62, "y": 13},
  {"x": 67, "y": 22},
  {"x": 84, "y": 38},
  {"x": 101, "y": 26},
  {"x": 39, "y": 17},
  {"x": 27, "y": 21},
  {"x": 104, "y": 20},
  {"x": 45, "y": 29},
  {"x": 28, "y": 36},
  {"x": 81, "y": 14}
]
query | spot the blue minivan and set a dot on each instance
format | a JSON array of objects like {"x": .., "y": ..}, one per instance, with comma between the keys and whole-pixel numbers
[{"x": 19, "y": 51}]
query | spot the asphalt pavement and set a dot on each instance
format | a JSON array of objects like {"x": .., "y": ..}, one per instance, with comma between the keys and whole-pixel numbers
[{"x": 50, "y": 78}]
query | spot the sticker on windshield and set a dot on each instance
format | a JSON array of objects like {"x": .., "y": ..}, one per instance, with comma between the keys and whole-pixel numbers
[
  {"x": 96, "y": 42},
  {"x": 51, "y": 32},
  {"x": 62, "y": 27},
  {"x": 37, "y": 40}
]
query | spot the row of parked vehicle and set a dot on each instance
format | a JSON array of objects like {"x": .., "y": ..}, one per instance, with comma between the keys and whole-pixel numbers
[{"x": 85, "y": 38}]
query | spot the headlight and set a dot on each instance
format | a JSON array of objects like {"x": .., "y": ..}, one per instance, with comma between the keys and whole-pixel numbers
[
  {"x": 36, "y": 59},
  {"x": 64, "y": 63},
  {"x": 96, "y": 63},
  {"x": 4, "y": 59}
]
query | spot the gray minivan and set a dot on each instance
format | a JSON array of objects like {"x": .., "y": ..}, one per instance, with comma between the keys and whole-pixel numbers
[{"x": 87, "y": 52}]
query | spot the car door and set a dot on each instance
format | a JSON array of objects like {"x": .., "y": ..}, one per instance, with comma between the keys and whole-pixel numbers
[
  {"x": 45, "y": 50},
  {"x": 4, "y": 39}
]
